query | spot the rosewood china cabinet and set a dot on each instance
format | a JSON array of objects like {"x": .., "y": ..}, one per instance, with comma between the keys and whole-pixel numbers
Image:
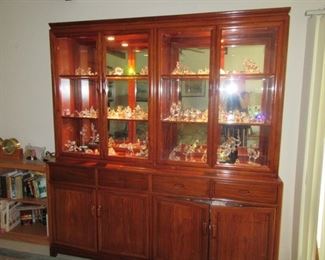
[{"x": 167, "y": 135}]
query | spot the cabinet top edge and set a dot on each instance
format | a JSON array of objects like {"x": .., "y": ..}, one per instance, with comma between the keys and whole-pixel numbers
[{"x": 189, "y": 16}]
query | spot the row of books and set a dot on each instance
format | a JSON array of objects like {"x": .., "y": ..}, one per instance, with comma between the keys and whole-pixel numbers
[{"x": 18, "y": 184}]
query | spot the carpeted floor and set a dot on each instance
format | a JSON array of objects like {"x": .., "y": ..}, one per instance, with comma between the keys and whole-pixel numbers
[
  {"x": 8, "y": 254},
  {"x": 11, "y": 254}
]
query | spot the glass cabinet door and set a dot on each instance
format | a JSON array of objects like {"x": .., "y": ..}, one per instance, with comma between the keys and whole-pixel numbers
[
  {"x": 184, "y": 95},
  {"x": 77, "y": 56},
  {"x": 78, "y": 92},
  {"x": 127, "y": 88},
  {"x": 246, "y": 95}
]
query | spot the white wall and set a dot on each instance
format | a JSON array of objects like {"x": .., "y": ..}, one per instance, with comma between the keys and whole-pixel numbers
[
  {"x": 1, "y": 78},
  {"x": 25, "y": 79}
]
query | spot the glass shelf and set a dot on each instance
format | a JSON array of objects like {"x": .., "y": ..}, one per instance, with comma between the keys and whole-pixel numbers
[
  {"x": 79, "y": 117},
  {"x": 79, "y": 77},
  {"x": 133, "y": 119},
  {"x": 186, "y": 76},
  {"x": 127, "y": 77},
  {"x": 167, "y": 121},
  {"x": 244, "y": 124}
]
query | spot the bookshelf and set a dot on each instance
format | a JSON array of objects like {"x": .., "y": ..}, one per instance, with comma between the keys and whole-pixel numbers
[
  {"x": 36, "y": 232},
  {"x": 37, "y": 166}
]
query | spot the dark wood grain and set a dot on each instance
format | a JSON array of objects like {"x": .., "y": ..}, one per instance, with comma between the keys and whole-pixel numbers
[
  {"x": 180, "y": 230},
  {"x": 116, "y": 179},
  {"x": 242, "y": 233},
  {"x": 123, "y": 223},
  {"x": 246, "y": 191},
  {"x": 181, "y": 186},
  {"x": 75, "y": 219},
  {"x": 72, "y": 175}
]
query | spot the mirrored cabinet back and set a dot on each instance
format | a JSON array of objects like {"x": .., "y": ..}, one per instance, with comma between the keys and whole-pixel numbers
[{"x": 168, "y": 136}]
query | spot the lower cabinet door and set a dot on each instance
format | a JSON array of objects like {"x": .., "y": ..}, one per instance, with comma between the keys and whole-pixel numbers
[
  {"x": 242, "y": 233},
  {"x": 74, "y": 221},
  {"x": 123, "y": 223},
  {"x": 180, "y": 229}
]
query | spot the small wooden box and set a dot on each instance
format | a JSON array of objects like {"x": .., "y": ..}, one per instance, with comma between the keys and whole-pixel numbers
[{"x": 17, "y": 155}]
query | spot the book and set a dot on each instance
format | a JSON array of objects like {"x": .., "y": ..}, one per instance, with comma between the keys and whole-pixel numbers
[
  {"x": 30, "y": 214},
  {"x": 42, "y": 190},
  {"x": 3, "y": 186},
  {"x": 26, "y": 217},
  {"x": 22, "y": 184},
  {"x": 11, "y": 193}
]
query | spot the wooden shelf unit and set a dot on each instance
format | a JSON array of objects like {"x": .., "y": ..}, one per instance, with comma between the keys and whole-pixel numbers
[
  {"x": 36, "y": 232},
  {"x": 37, "y": 166}
]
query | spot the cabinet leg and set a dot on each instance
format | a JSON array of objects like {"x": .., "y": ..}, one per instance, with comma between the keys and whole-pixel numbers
[{"x": 53, "y": 251}]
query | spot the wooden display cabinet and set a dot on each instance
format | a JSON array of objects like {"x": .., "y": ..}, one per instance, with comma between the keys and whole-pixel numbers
[{"x": 168, "y": 128}]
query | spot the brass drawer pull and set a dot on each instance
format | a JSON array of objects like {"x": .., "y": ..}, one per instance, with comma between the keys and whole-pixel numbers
[{"x": 179, "y": 186}]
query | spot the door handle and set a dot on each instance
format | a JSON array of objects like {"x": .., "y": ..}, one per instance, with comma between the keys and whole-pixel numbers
[
  {"x": 214, "y": 231},
  {"x": 205, "y": 228},
  {"x": 93, "y": 210},
  {"x": 99, "y": 211}
]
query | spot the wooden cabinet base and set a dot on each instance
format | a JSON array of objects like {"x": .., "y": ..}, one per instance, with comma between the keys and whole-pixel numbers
[
  {"x": 102, "y": 221},
  {"x": 55, "y": 249}
]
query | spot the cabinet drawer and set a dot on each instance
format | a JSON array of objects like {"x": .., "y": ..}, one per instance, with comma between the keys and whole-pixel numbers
[
  {"x": 181, "y": 186},
  {"x": 264, "y": 193},
  {"x": 72, "y": 175},
  {"x": 125, "y": 180}
]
